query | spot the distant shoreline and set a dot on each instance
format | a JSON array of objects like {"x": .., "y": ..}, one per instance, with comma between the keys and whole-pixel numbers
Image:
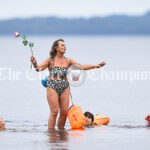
[{"x": 119, "y": 25}]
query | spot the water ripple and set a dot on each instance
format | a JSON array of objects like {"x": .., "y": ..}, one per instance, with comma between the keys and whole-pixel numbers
[{"x": 130, "y": 126}]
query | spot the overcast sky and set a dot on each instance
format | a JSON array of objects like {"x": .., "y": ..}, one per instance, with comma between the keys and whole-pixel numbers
[{"x": 71, "y": 8}]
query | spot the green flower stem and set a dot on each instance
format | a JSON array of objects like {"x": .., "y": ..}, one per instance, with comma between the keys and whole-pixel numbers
[
  {"x": 32, "y": 55},
  {"x": 30, "y": 44},
  {"x": 31, "y": 50},
  {"x": 25, "y": 42}
]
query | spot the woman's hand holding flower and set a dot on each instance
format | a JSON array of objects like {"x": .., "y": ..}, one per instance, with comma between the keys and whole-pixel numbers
[{"x": 33, "y": 60}]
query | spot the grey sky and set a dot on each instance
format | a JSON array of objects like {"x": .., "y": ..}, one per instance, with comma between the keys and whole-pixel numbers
[{"x": 71, "y": 8}]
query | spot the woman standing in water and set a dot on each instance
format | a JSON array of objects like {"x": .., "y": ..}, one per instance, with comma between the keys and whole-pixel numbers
[{"x": 57, "y": 85}]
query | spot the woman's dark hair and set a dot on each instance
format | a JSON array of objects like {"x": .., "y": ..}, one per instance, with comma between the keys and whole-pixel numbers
[
  {"x": 89, "y": 115},
  {"x": 54, "y": 46}
]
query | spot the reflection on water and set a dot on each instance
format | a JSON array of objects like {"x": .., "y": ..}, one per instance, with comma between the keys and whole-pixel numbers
[
  {"x": 62, "y": 139},
  {"x": 38, "y": 136},
  {"x": 58, "y": 136},
  {"x": 58, "y": 139},
  {"x": 76, "y": 133}
]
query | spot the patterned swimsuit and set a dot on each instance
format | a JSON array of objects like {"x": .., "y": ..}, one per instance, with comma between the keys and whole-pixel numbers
[{"x": 57, "y": 78}]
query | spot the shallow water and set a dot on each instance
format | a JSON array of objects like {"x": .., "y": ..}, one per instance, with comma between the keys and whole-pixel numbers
[
  {"x": 24, "y": 107},
  {"x": 33, "y": 135}
]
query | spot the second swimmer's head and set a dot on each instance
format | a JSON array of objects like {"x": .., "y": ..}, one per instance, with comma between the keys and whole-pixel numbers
[{"x": 89, "y": 117}]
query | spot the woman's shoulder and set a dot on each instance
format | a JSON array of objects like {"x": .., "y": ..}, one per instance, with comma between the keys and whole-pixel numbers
[
  {"x": 49, "y": 59},
  {"x": 68, "y": 60},
  {"x": 72, "y": 61}
]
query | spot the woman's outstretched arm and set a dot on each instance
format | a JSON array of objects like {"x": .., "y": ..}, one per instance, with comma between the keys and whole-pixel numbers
[
  {"x": 42, "y": 66},
  {"x": 86, "y": 66}
]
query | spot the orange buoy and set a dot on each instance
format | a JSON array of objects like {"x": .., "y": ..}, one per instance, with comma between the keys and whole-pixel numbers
[
  {"x": 148, "y": 118},
  {"x": 101, "y": 120},
  {"x": 76, "y": 117}
]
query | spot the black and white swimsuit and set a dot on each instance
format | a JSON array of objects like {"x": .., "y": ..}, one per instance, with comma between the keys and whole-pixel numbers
[{"x": 57, "y": 78}]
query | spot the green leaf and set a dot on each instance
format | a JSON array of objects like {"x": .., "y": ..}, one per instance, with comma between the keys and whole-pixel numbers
[
  {"x": 31, "y": 44},
  {"x": 24, "y": 37},
  {"x": 25, "y": 42}
]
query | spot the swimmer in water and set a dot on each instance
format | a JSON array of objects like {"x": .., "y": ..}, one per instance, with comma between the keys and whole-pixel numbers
[
  {"x": 89, "y": 117},
  {"x": 2, "y": 124}
]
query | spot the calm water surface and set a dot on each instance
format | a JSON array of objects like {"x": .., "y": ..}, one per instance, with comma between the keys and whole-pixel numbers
[{"x": 23, "y": 103}]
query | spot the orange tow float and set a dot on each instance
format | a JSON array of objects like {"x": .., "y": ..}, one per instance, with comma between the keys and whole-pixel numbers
[
  {"x": 77, "y": 119},
  {"x": 148, "y": 118},
  {"x": 101, "y": 120}
]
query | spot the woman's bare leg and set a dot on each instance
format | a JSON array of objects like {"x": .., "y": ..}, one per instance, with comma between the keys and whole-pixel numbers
[
  {"x": 63, "y": 104},
  {"x": 53, "y": 102}
]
